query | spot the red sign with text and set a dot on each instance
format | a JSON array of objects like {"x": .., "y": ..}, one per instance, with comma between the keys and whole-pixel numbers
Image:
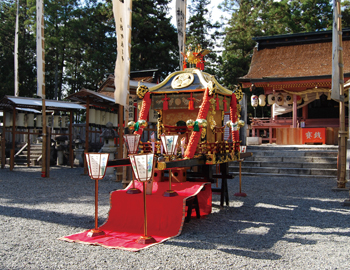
[{"x": 314, "y": 135}]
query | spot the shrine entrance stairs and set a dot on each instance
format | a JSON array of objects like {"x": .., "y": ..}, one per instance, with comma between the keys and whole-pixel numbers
[{"x": 292, "y": 160}]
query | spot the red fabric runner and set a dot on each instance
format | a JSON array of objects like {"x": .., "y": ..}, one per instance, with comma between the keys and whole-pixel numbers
[{"x": 165, "y": 215}]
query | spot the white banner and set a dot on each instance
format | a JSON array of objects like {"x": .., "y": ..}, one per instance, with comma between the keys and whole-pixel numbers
[
  {"x": 16, "y": 53},
  {"x": 122, "y": 16},
  {"x": 335, "y": 54},
  {"x": 39, "y": 46},
  {"x": 180, "y": 7}
]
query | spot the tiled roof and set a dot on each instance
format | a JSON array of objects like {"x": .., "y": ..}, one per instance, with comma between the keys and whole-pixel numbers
[{"x": 296, "y": 61}]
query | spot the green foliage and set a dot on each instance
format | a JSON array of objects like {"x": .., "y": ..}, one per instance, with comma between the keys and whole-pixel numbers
[
  {"x": 26, "y": 50},
  {"x": 154, "y": 40},
  {"x": 253, "y": 18},
  {"x": 201, "y": 30}
]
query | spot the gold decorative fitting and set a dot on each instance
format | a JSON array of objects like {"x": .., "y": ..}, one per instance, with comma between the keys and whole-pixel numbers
[
  {"x": 141, "y": 91},
  {"x": 212, "y": 88},
  {"x": 182, "y": 80},
  {"x": 239, "y": 93},
  {"x": 161, "y": 166}
]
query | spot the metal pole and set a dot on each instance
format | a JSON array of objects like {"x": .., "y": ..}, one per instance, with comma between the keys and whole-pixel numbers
[
  {"x": 144, "y": 210},
  {"x": 96, "y": 204}
]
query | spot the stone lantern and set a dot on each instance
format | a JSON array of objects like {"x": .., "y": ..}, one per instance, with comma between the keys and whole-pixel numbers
[
  {"x": 108, "y": 135},
  {"x": 60, "y": 147},
  {"x": 79, "y": 151}
]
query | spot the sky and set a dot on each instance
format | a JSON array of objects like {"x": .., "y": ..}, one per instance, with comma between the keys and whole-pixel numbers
[{"x": 216, "y": 13}]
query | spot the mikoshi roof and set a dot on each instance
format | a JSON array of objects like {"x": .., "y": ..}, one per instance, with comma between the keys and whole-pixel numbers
[
  {"x": 9, "y": 102},
  {"x": 189, "y": 80},
  {"x": 96, "y": 98}
]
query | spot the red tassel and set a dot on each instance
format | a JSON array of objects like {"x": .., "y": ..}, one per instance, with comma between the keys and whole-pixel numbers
[
  {"x": 217, "y": 103},
  {"x": 165, "y": 103},
  {"x": 191, "y": 103},
  {"x": 225, "y": 104}
]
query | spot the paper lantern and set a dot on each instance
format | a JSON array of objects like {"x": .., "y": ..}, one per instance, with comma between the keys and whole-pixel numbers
[
  {"x": 64, "y": 121},
  {"x": 271, "y": 99},
  {"x": 20, "y": 119},
  {"x": 132, "y": 142},
  {"x": 56, "y": 121},
  {"x": 299, "y": 100},
  {"x": 98, "y": 117},
  {"x": 280, "y": 99},
  {"x": 29, "y": 121},
  {"x": 262, "y": 100},
  {"x": 289, "y": 99},
  {"x": 92, "y": 115},
  {"x": 254, "y": 100},
  {"x": 115, "y": 120},
  {"x": 49, "y": 120},
  {"x": 39, "y": 121},
  {"x": 103, "y": 118},
  {"x": 9, "y": 119}
]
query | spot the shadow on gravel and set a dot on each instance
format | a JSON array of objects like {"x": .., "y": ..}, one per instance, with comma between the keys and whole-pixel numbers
[
  {"x": 49, "y": 216},
  {"x": 252, "y": 254}
]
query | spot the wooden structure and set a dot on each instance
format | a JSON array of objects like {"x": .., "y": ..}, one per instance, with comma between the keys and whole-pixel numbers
[
  {"x": 11, "y": 107},
  {"x": 298, "y": 66}
]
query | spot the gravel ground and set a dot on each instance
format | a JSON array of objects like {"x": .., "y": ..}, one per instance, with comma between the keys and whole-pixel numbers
[{"x": 283, "y": 223}]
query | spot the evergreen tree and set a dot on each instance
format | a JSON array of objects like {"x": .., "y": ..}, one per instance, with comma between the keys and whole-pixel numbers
[
  {"x": 202, "y": 31},
  {"x": 26, "y": 50},
  {"x": 154, "y": 39}
]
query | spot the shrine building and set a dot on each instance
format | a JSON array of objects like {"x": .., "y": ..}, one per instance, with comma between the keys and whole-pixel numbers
[{"x": 295, "y": 72}]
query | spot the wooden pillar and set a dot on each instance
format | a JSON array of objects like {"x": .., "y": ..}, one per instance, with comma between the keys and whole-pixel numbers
[
  {"x": 12, "y": 155},
  {"x": 71, "y": 154},
  {"x": 86, "y": 150},
  {"x": 295, "y": 111},
  {"x": 121, "y": 146},
  {"x": 342, "y": 149},
  {"x": 305, "y": 111},
  {"x": 28, "y": 148},
  {"x": 3, "y": 142}
]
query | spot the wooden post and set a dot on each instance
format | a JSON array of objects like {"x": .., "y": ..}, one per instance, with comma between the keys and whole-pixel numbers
[
  {"x": 28, "y": 148},
  {"x": 3, "y": 141},
  {"x": 342, "y": 131},
  {"x": 121, "y": 146},
  {"x": 12, "y": 156},
  {"x": 86, "y": 150},
  {"x": 295, "y": 111},
  {"x": 71, "y": 154}
]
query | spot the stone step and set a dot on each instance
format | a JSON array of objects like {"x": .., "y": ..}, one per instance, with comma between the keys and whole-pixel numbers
[
  {"x": 286, "y": 171},
  {"x": 291, "y": 147},
  {"x": 246, "y": 163},
  {"x": 294, "y": 153},
  {"x": 262, "y": 175}
]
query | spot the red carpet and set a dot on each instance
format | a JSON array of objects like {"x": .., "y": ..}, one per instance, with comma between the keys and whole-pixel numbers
[{"x": 165, "y": 215}]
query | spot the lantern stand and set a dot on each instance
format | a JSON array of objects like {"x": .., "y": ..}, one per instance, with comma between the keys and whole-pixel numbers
[
  {"x": 132, "y": 142},
  {"x": 96, "y": 163},
  {"x": 169, "y": 143},
  {"x": 142, "y": 166}
]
